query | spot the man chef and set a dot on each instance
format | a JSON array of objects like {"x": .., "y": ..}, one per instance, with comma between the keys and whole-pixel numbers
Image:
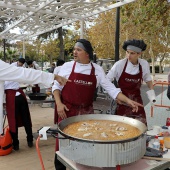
[
  {"x": 76, "y": 98},
  {"x": 23, "y": 75},
  {"x": 129, "y": 74}
]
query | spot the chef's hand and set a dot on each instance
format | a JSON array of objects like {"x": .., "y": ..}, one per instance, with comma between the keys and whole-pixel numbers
[
  {"x": 61, "y": 80},
  {"x": 61, "y": 110},
  {"x": 134, "y": 105},
  {"x": 122, "y": 99}
]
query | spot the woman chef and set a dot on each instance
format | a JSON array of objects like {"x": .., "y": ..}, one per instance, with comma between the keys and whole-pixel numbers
[
  {"x": 129, "y": 74},
  {"x": 76, "y": 98}
]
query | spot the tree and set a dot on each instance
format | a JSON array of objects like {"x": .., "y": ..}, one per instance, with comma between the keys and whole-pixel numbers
[
  {"x": 51, "y": 35},
  {"x": 101, "y": 35},
  {"x": 69, "y": 42},
  {"x": 149, "y": 19},
  {"x": 50, "y": 49},
  {"x": 11, "y": 54}
]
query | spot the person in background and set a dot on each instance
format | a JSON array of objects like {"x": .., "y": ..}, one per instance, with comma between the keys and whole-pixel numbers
[
  {"x": 18, "y": 113},
  {"x": 168, "y": 90},
  {"x": 33, "y": 65},
  {"x": 77, "y": 97},
  {"x": 13, "y": 60},
  {"x": 24, "y": 75},
  {"x": 59, "y": 63},
  {"x": 51, "y": 69},
  {"x": 129, "y": 74},
  {"x": 19, "y": 63}
]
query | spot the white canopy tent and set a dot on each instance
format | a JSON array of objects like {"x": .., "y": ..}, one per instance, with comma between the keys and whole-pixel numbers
[{"x": 34, "y": 17}]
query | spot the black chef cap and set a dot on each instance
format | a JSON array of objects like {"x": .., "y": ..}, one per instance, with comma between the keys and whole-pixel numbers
[
  {"x": 88, "y": 47},
  {"x": 136, "y": 43},
  {"x": 21, "y": 60}
]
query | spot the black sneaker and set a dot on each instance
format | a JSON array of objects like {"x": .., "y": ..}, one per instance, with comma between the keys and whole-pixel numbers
[
  {"x": 16, "y": 147},
  {"x": 30, "y": 144}
]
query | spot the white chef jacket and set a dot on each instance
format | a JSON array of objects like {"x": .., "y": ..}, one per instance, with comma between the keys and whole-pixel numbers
[
  {"x": 57, "y": 70},
  {"x": 12, "y": 84},
  {"x": 117, "y": 69},
  {"x": 22, "y": 75},
  {"x": 66, "y": 69}
]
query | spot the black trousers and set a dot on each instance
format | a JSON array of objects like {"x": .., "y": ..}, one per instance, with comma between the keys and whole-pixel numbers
[
  {"x": 22, "y": 110},
  {"x": 58, "y": 164}
]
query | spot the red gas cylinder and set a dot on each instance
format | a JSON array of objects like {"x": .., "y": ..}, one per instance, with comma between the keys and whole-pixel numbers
[{"x": 5, "y": 143}]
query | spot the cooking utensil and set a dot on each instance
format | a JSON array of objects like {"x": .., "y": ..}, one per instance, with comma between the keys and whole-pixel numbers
[
  {"x": 141, "y": 126},
  {"x": 102, "y": 153},
  {"x": 37, "y": 96}
]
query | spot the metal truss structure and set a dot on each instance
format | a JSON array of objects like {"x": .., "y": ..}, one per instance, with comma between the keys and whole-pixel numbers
[{"x": 34, "y": 17}]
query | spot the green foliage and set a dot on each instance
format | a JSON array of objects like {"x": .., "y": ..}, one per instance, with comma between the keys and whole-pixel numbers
[
  {"x": 10, "y": 54},
  {"x": 145, "y": 19},
  {"x": 101, "y": 35}
]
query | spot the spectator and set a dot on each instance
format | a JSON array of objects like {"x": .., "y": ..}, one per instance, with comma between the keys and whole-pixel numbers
[
  {"x": 19, "y": 63},
  {"x": 33, "y": 64},
  {"x": 60, "y": 62},
  {"x": 51, "y": 69}
]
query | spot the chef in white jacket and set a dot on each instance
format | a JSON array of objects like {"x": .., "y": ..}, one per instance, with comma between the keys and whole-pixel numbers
[
  {"x": 23, "y": 75},
  {"x": 129, "y": 73},
  {"x": 76, "y": 97},
  {"x": 18, "y": 113}
]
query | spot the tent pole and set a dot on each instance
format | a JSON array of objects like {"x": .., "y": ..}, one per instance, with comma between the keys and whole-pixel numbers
[{"x": 82, "y": 29}]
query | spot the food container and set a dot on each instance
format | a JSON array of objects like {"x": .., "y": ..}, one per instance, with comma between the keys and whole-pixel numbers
[
  {"x": 167, "y": 142},
  {"x": 102, "y": 153}
]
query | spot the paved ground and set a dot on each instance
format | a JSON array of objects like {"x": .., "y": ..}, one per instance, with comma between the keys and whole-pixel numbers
[{"x": 27, "y": 158}]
